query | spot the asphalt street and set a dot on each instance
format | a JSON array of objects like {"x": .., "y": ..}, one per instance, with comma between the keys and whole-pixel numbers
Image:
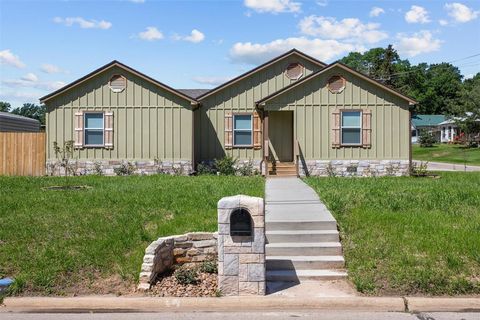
[{"x": 318, "y": 315}]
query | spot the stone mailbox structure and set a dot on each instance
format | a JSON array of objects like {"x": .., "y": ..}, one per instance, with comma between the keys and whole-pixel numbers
[{"x": 241, "y": 246}]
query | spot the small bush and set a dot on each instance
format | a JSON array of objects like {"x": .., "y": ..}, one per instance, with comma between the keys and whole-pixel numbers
[
  {"x": 209, "y": 266},
  {"x": 125, "y": 169},
  {"x": 247, "y": 169},
  {"x": 186, "y": 276},
  {"x": 419, "y": 169},
  {"x": 426, "y": 139},
  {"x": 97, "y": 168},
  {"x": 205, "y": 169},
  {"x": 226, "y": 166}
]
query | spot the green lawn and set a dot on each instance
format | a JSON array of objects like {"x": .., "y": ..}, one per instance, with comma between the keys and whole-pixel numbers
[
  {"x": 408, "y": 235},
  {"x": 93, "y": 241},
  {"x": 451, "y": 153}
]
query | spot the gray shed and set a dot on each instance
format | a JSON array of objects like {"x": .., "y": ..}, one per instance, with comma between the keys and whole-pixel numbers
[{"x": 14, "y": 123}]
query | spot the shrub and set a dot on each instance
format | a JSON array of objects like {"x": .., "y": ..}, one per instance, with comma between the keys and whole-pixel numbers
[
  {"x": 426, "y": 138},
  {"x": 186, "y": 276},
  {"x": 226, "y": 165},
  {"x": 97, "y": 168},
  {"x": 419, "y": 170},
  {"x": 209, "y": 266},
  {"x": 125, "y": 169},
  {"x": 247, "y": 169},
  {"x": 205, "y": 169}
]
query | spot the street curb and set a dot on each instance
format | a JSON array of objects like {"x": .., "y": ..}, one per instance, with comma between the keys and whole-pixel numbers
[
  {"x": 422, "y": 304},
  {"x": 108, "y": 304},
  {"x": 157, "y": 304}
]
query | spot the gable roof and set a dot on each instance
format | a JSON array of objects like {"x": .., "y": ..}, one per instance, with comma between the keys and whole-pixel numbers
[
  {"x": 194, "y": 93},
  {"x": 260, "y": 67},
  {"x": 329, "y": 67},
  {"x": 116, "y": 63},
  {"x": 426, "y": 120}
]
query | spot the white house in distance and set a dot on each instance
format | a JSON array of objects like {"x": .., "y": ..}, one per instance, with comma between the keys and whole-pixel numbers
[{"x": 448, "y": 130}]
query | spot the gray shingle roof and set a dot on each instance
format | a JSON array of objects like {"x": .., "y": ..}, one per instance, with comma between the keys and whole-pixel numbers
[{"x": 194, "y": 93}]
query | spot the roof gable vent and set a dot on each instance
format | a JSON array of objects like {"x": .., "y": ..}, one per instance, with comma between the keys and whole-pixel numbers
[
  {"x": 294, "y": 71},
  {"x": 336, "y": 84},
  {"x": 117, "y": 83}
]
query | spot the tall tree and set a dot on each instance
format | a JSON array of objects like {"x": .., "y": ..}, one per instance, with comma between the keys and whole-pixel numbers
[
  {"x": 31, "y": 110},
  {"x": 5, "y": 106}
]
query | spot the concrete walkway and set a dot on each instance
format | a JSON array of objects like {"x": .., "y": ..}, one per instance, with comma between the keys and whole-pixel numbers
[
  {"x": 441, "y": 166},
  {"x": 290, "y": 199},
  {"x": 303, "y": 243}
]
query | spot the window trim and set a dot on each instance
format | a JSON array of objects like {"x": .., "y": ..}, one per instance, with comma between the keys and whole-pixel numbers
[
  {"x": 360, "y": 144},
  {"x": 95, "y": 129},
  {"x": 234, "y": 145}
]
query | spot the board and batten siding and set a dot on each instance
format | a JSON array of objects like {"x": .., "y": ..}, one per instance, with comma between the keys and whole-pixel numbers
[
  {"x": 239, "y": 97},
  {"x": 313, "y": 105},
  {"x": 149, "y": 122}
]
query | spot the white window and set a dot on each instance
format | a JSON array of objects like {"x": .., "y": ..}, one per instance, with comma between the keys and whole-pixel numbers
[
  {"x": 242, "y": 130},
  {"x": 351, "y": 127},
  {"x": 93, "y": 128}
]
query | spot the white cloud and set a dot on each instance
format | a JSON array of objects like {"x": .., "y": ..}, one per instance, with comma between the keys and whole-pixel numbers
[
  {"x": 31, "y": 77},
  {"x": 151, "y": 34},
  {"x": 83, "y": 23},
  {"x": 137, "y": 1},
  {"x": 417, "y": 43},
  {"x": 417, "y": 14},
  {"x": 7, "y": 57},
  {"x": 51, "y": 68},
  {"x": 376, "y": 11},
  {"x": 215, "y": 81},
  {"x": 30, "y": 80},
  {"x": 20, "y": 96},
  {"x": 460, "y": 12},
  {"x": 195, "y": 37},
  {"x": 443, "y": 22},
  {"x": 256, "y": 53},
  {"x": 350, "y": 28},
  {"x": 322, "y": 3},
  {"x": 273, "y": 6}
]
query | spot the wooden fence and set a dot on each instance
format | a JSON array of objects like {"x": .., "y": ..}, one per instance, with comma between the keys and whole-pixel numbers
[{"x": 22, "y": 153}]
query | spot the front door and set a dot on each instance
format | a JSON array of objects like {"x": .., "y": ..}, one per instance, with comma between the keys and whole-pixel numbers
[{"x": 280, "y": 132}]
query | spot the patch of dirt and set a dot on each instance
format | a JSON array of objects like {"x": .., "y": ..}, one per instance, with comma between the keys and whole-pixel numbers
[
  {"x": 63, "y": 188},
  {"x": 168, "y": 286}
]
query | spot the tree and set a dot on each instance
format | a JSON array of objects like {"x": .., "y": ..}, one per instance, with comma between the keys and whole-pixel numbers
[
  {"x": 5, "y": 106},
  {"x": 32, "y": 110}
]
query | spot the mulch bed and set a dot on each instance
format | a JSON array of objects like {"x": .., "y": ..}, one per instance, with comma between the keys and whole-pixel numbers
[{"x": 168, "y": 286}]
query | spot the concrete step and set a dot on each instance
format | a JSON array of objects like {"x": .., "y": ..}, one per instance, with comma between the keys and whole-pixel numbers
[
  {"x": 304, "y": 262},
  {"x": 302, "y": 236},
  {"x": 304, "y": 249},
  {"x": 276, "y": 225},
  {"x": 300, "y": 275}
]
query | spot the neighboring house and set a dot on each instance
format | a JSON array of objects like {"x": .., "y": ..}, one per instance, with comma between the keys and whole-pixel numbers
[
  {"x": 448, "y": 130},
  {"x": 10, "y": 122},
  {"x": 291, "y": 113},
  {"x": 429, "y": 122}
]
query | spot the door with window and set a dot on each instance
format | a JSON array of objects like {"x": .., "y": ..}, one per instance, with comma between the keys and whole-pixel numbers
[{"x": 280, "y": 132}]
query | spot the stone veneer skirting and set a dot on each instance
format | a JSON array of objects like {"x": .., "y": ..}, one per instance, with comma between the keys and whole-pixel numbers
[
  {"x": 86, "y": 167},
  {"x": 164, "y": 252},
  {"x": 355, "y": 168}
]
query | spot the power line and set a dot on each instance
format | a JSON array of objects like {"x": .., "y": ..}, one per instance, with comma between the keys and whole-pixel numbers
[{"x": 472, "y": 56}]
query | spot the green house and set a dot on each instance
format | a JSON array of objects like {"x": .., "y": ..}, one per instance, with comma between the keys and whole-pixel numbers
[{"x": 292, "y": 115}]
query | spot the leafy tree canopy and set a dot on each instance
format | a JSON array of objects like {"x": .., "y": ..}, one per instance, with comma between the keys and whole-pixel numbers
[
  {"x": 5, "y": 106},
  {"x": 31, "y": 110}
]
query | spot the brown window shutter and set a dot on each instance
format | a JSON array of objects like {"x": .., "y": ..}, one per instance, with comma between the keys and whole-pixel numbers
[
  {"x": 367, "y": 128},
  {"x": 336, "y": 128},
  {"x": 228, "y": 130},
  {"x": 257, "y": 131},
  {"x": 78, "y": 133},
  {"x": 108, "y": 130}
]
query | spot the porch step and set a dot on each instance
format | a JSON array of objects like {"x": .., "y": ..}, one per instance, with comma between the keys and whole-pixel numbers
[
  {"x": 304, "y": 262},
  {"x": 303, "y": 249},
  {"x": 302, "y": 236},
  {"x": 282, "y": 169},
  {"x": 297, "y": 225},
  {"x": 300, "y": 275}
]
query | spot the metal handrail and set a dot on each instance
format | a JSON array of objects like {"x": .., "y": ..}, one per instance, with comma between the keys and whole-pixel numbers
[{"x": 296, "y": 152}]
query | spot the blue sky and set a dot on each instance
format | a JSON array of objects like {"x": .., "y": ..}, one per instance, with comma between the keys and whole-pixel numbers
[{"x": 199, "y": 44}]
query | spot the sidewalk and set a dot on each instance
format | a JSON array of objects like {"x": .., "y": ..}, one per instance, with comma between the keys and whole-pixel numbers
[
  {"x": 442, "y": 166},
  {"x": 110, "y": 304}
]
